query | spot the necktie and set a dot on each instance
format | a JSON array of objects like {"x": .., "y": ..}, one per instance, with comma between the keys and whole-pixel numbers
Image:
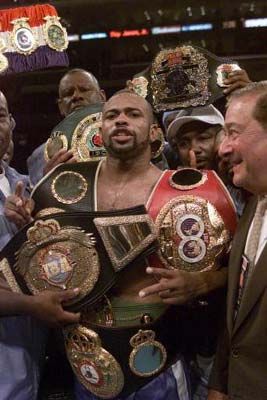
[
  {"x": 251, "y": 251},
  {"x": 254, "y": 237}
]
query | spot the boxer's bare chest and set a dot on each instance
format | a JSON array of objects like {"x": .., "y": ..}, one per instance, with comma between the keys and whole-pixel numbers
[{"x": 130, "y": 191}]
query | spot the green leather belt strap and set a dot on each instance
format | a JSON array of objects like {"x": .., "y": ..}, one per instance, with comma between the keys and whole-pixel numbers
[
  {"x": 79, "y": 131},
  {"x": 69, "y": 123},
  {"x": 130, "y": 313}
]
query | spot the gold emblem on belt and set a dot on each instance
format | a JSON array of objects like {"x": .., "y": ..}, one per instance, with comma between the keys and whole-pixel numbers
[
  {"x": 55, "y": 35},
  {"x": 192, "y": 234},
  {"x": 148, "y": 356},
  {"x": 57, "y": 257},
  {"x": 3, "y": 59},
  {"x": 23, "y": 38},
  {"x": 87, "y": 142},
  {"x": 69, "y": 187},
  {"x": 179, "y": 79},
  {"x": 94, "y": 366},
  {"x": 56, "y": 142},
  {"x": 139, "y": 85}
]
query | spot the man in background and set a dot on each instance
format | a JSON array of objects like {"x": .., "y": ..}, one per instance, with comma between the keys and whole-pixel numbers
[
  {"x": 193, "y": 135},
  {"x": 77, "y": 88}
]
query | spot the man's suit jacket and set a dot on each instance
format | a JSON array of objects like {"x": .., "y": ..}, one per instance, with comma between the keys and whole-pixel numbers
[{"x": 240, "y": 368}]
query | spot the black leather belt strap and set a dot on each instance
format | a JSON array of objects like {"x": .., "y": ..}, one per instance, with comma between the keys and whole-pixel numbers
[
  {"x": 167, "y": 331},
  {"x": 84, "y": 221},
  {"x": 44, "y": 197}
]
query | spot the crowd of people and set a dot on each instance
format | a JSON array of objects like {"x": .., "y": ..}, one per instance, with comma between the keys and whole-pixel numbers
[{"x": 183, "y": 307}]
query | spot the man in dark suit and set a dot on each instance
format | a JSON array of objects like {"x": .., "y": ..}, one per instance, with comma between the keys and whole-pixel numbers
[{"x": 241, "y": 363}]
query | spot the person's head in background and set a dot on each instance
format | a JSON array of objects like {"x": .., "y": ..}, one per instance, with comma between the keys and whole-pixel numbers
[
  {"x": 78, "y": 88},
  {"x": 244, "y": 146},
  {"x": 5, "y": 126},
  {"x": 10, "y": 150},
  {"x": 193, "y": 135}
]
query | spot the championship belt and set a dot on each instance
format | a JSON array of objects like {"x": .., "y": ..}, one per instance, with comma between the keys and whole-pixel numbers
[
  {"x": 33, "y": 39},
  {"x": 3, "y": 59},
  {"x": 182, "y": 77},
  {"x": 69, "y": 187},
  {"x": 78, "y": 132},
  {"x": 111, "y": 361},
  {"x": 195, "y": 218},
  {"x": 85, "y": 250}
]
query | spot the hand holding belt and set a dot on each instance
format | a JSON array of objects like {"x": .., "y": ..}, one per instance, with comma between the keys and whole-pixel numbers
[
  {"x": 185, "y": 76},
  {"x": 83, "y": 250},
  {"x": 78, "y": 132}
]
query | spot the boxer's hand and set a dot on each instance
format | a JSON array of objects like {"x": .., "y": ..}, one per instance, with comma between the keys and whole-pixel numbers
[
  {"x": 174, "y": 287},
  {"x": 180, "y": 287},
  {"x": 62, "y": 156},
  {"x": 18, "y": 208}
]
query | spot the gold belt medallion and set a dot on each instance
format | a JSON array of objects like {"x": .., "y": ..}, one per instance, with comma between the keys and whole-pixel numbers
[
  {"x": 57, "y": 257},
  {"x": 125, "y": 237},
  {"x": 56, "y": 142},
  {"x": 192, "y": 234},
  {"x": 69, "y": 187},
  {"x": 3, "y": 59},
  {"x": 95, "y": 367},
  {"x": 48, "y": 211},
  {"x": 139, "y": 85},
  {"x": 55, "y": 35},
  {"x": 87, "y": 142},
  {"x": 22, "y": 37},
  {"x": 148, "y": 356}
]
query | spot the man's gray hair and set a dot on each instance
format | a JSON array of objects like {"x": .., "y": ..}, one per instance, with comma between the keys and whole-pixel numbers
[
  {"x": 258, "y": 89},
  {"x": 80, "y": 70},
  {"x": 250, "y": 89}
]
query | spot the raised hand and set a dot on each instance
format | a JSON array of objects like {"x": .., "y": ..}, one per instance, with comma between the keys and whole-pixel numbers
[
  {"x": 18, "y": 208},
  {"x": 192, "y": 159},
  {"x": 236, "y": 80}
]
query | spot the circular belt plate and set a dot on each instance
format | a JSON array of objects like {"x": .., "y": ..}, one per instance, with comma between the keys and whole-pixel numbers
[
  {"x": 192, "y": 234},
  {"x": 58, "y": 258},
  {"x": 86, "y": 139}
]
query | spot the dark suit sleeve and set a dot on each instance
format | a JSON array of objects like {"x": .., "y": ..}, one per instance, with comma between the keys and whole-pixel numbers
[{"x": 219, "y": 374}]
